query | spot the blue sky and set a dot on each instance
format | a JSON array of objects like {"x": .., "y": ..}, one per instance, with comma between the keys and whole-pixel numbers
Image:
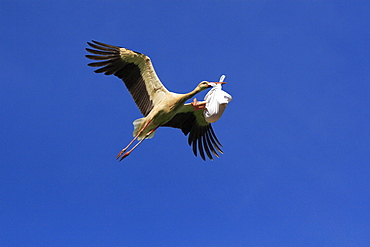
[{"x": 296, "y": 136}]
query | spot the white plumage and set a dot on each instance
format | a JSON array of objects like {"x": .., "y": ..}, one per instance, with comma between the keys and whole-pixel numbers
[{"x": 159, "y": 106}]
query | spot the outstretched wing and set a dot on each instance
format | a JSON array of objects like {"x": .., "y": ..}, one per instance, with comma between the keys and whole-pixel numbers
[
  {"x": 202, "y": 136},
  {"x": 135, "y": 70}
]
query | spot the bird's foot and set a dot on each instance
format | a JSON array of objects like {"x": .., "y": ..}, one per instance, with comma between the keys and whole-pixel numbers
[
  {"x": 125, "y": 155},
  {"x": 120, "y": 153}
]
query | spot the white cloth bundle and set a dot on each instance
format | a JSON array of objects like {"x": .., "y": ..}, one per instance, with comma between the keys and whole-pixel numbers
[{"x": 216, "y": 102}]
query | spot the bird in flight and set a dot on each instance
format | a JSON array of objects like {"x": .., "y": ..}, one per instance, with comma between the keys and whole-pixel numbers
[{"x": 160, "y": 107}]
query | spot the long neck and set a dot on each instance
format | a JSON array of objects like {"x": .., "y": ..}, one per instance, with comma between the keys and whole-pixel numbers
[{"x": 191, "y": 94}]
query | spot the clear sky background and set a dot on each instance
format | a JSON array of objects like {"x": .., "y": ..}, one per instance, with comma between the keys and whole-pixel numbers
[{"x": 296, "y": 168}]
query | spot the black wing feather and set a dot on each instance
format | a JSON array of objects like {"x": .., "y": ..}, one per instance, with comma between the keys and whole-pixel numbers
[
  {"x": 211, "y": 146},
  {"x": 129, "y": 72},
  {"x": 201, "y": 135}
]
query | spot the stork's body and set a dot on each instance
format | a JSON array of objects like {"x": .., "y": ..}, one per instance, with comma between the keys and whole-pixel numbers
[
  {"x": 159, "y": 106},
  {"x": 164, "y": 111}
]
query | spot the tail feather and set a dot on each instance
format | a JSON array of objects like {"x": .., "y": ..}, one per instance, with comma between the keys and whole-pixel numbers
[{"x": 137, "y": 127}]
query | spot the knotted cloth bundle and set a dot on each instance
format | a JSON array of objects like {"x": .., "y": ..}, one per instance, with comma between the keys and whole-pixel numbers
[{"x": 216, "y": 102}]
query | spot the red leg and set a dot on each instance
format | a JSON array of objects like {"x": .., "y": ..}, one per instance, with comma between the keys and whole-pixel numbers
[
  {"x": 137, "y": 144},
  {"x": 141, "y": 131}
]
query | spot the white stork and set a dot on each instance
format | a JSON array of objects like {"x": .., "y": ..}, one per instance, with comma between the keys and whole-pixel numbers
[{"x": 159, "y": 106}]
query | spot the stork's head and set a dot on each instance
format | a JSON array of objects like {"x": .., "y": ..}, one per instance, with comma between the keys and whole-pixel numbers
[{"x": 206, "y": 84}]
